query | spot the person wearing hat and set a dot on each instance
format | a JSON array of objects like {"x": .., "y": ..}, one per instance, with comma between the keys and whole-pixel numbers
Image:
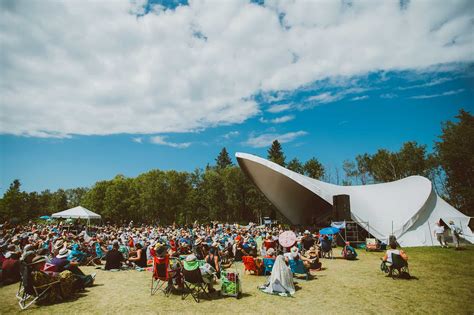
[
  {"x": 438, "y": 232},
  {"x": 307, "y": 241},
  {"x": 270, "y": 253},
  {"x": 11, "y": 266},
  {"x": 191, "y": 263},
  {"x": 62, "y": 263},
  {"x": 456, "y": 231},
  {"x": 313, "y": 255},
  {"x": 348, "y": 252},
  {"x": 114, "y": 258},
  {"x": 295, "y": 255}
]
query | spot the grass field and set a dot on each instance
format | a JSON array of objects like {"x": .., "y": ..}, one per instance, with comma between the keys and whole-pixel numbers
[{"x": 444, "y": 284}]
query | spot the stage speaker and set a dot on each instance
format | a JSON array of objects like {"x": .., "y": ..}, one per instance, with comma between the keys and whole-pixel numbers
[{"x": 341, "y": 205}]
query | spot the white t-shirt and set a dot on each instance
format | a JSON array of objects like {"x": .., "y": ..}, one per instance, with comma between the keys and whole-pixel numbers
[
  {"x": 439, "y": 229},
  {"x": 389, "y": 254}
]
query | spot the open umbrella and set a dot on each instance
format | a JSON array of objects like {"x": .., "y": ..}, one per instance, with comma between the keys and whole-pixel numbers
[
  {"x": 329, "y": 230},
  {"x": 45, "y": 217},
  {"x": 287, "y": 238}
]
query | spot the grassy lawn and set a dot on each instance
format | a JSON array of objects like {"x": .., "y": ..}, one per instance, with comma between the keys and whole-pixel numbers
[{"x": 444, "y": 284}]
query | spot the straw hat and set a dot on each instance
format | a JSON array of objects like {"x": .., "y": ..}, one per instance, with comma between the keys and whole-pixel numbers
[
  {"x": 63, "y": 253},
  {"x": 38, "y": 259},
  {"x": 191, "y": 257}
]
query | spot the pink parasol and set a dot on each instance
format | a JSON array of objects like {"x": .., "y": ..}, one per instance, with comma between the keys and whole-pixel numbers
[{"x": 287, "y": 238}]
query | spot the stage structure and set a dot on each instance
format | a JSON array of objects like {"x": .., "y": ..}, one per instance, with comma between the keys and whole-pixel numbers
[{"x": 406, "y": 208}]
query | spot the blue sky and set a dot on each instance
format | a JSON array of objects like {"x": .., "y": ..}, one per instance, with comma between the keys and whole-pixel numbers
[{"x": 168, "y": 86}]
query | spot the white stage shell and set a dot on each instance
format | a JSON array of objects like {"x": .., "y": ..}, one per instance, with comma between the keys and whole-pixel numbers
[{"x": 408, "y": 207}]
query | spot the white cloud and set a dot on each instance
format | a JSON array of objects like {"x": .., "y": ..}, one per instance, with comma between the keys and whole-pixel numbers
[
  {"x": 452, "y": 92},
  {"x": 137, "y": 140},
  {"x": 278, "y": 108},
  {"x": 427, "y": 84},
  {"x": 231, "y": 134},
  {"x": 389, "y": 95},
  {"x": 77, "y": 67},
  {"x": 277, "y": 120},
  {"x": 325, "y": 97},
  {"x": 360, "y": 98},
  {"x": 162, "y": 141},
  {"x": 267, "y": 139}
]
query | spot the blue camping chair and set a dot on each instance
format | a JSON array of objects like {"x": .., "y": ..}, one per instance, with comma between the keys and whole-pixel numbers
[
  {"x": 298, "y": 267},
  {"x": 268, "y": 265}
]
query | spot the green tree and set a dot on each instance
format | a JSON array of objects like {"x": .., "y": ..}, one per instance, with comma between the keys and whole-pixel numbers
[
  {"x": 275, "y": 153},
  {"x": 223, "y": 160},
  {"x": 314, "y": 169},
  {"x": 295, "y": 166},
  {"x": 14, "y": 202},
  {"x": 455, "y": 152}
]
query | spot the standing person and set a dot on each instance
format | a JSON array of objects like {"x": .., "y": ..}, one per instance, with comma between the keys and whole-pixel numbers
[
  {"x": 456, "y": 231},
  {"x": 438, "y": 232}
]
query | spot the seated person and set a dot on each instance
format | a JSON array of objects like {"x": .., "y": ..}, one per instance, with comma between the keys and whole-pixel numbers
[
  {"x": 268, "y": 243},
  {"x": 11, "y": 268},
  {"x": 198, "y": 250},
  {"x": 239, "y": 251},
  {"x": 270, "y": 253},
  {"x": 77, "y": 255},
  {"x": 313, "y": 255},
  {"x": 295, "y": 255},
  {"x": 207, "y": 271},
  {"x": 213, "y": 259},
  {"x": 61, "y": 263},
  {"x": 114, "y": 258},
  {"x": 326, "y": 244},
  {"x": 348, "y": 252},
  {"x": 139, "y": 259},
  {"x": 307, "y": 241},
  {"x": 393, "y": 250}
]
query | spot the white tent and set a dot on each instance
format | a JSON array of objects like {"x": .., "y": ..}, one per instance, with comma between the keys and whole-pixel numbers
[
  {"x": 407, "y": 208},
  {"x": 77, "y": 213}
]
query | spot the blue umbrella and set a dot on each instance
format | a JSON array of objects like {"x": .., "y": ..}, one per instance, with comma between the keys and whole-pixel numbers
[
  {"x": 45, "y": 217},
  {"x": 329, "y": 230}
]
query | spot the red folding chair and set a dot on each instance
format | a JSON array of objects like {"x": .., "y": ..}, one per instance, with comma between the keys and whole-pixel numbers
[
  {"x": 161, "y": 278},
  {"x": 249, "y": 264}
]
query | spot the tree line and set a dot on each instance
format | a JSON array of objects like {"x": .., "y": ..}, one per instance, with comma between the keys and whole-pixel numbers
[{"x": 222, "y": 191}]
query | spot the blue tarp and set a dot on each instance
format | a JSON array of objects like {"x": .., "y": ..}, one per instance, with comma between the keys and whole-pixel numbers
[{"x": 329, "y": 230}]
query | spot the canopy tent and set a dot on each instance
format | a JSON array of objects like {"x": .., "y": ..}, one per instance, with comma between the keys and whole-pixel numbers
[
  {"x": 407, "y": 208},
  {"x": 77, "y": 213}
]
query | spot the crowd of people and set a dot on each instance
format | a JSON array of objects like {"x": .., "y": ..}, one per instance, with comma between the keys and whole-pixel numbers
[{"x": 61, "y": 249}]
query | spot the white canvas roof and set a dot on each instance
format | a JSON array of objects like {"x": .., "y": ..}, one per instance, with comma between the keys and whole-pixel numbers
[
  {"x": 408, "y": 208},
  {"x": 77, "y": 213}
]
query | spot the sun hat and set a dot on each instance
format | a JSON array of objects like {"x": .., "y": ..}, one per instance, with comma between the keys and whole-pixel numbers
[
  {"x": 38, "y": 259},
  {"x": 197, "y": 242},
  {"x": 270, "y": 251},
  {"x": 307, "y": 232},
  {"x": 63, "y": 253},
  {"x": 191, "y": 263}
]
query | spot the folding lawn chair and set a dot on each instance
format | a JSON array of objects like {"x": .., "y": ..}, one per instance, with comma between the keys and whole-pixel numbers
[
  {"x": 297, "y": 267},
  {"x": 268, "y": 265},
  {"x": 399, "y": 267},
  {"x": 326, "y": 249},
  {"x": 249, "y": 264},
  {"x": 194, "y": 284},
  {"x": 161, "y": 278},
  {"x": 28, "y": 292}
]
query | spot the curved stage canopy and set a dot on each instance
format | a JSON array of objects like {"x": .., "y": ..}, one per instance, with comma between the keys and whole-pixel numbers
[{"x": 409, "y": 207}]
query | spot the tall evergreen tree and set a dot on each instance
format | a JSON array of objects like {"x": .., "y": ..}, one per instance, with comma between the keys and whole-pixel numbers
[
  {"x": 314, "y": 169},
  {"x": 223, "y": 159},
  {"x": 296, "y": 166},
  {"x": 13, "y": 204},
  {"x": 275, "y": 153}
]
